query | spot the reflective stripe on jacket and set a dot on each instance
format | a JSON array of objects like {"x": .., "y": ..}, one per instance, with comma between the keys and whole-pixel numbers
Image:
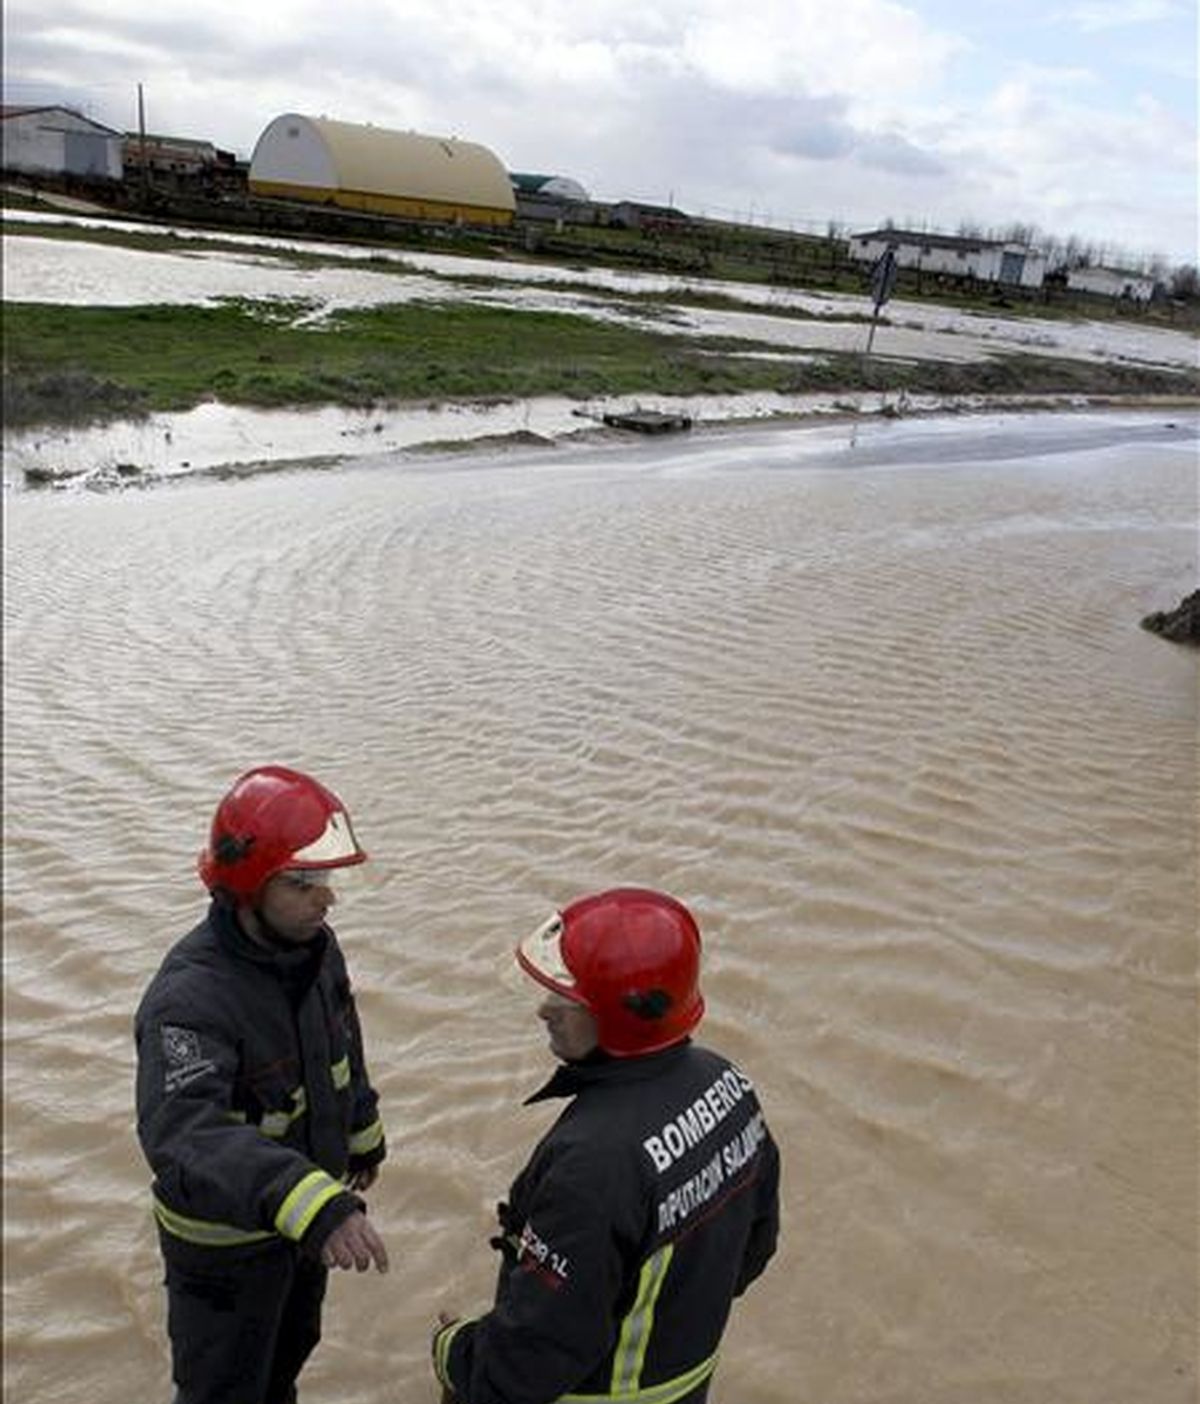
[
  {"x": 648, "y": 1206},
  {"x": 253, "y": 1095}
]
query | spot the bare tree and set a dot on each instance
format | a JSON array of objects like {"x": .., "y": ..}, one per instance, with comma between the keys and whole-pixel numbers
[
  {"x": 1018, "y": 233},
  {"x": 1185, "y": 283}
]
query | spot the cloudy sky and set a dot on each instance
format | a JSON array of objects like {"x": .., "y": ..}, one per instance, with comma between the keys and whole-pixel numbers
[{"x": 1076, "y": 116}]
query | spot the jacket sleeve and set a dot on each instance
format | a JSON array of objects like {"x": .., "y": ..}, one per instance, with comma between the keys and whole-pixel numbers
[
  {"x": 367, "y": 1146},
  {"x": 556, "y": 1310},
  {"x": 213, "y": 1171},
  {"x": 764, "y": 1229}
]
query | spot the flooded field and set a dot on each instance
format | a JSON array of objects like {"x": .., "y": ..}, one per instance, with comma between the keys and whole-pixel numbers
[
  {"x": 788, "y": 323},
  {"x": 49, "y": 270},
  {"x": 873, "y": 698}
]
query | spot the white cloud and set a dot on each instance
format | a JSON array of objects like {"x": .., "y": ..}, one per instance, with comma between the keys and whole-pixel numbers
[
  {"x": 1036, "y": 152},
  {"x": 852, "y": 48},
  {"x": 815, "y": 111},
  {"x": 1092, "y": 15},
  {"x": 104, "y": 47},
  {"x": 1036, "y": 129}
]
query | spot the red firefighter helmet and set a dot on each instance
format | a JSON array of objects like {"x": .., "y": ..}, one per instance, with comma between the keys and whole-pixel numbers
[
  {"x": 274, "y": 818},
  {"x": 632, "y": 957}
]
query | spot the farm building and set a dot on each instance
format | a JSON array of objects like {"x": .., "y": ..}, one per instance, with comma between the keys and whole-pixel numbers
[
  {"x": 59, "y": 141},
  {"x": 171, "y": 155},
  {"x": 1111, "y": 282},
  {"x": 635, "y": 214},
  {"x": 380, "y": 171},
  {"x": 986, "y": 260},
  {"x": 547, "y": 187}
]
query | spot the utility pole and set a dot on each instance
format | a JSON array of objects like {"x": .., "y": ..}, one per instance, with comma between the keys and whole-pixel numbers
[{"x": 142, "y": 149}]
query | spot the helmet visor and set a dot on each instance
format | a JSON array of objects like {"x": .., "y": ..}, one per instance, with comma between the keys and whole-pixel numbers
[
  {"x": 334, "y": 846},
  {"x": 540, "y": 955},
  {"x": 341, "y": 880}
]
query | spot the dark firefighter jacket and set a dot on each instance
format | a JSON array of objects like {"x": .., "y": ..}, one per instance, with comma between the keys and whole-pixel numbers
[
  {"x": 649, "y": 1205},
  {"x": 252, "y": 1094}
]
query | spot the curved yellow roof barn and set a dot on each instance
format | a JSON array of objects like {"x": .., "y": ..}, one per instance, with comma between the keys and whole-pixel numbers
[{"x": 380, "y": 171}]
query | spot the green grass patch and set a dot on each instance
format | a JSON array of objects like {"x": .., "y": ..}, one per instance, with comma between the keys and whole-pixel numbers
[
  {"x": 252, "y": 353},
  {"x": 74, "y": 365}
]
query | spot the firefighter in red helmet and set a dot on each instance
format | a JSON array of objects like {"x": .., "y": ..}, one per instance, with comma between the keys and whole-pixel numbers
[
  {"x": 255, "y": 1110},
  {"x": 651, "y": 1202}
]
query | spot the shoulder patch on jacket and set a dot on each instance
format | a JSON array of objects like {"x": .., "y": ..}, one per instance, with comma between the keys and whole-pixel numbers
[{"x": 184, "y": 1057}]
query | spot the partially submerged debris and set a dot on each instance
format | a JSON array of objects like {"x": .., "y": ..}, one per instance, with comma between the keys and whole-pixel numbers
[
  {"x": 105, "y": 476},
  {"x": 647, "y": 421}
]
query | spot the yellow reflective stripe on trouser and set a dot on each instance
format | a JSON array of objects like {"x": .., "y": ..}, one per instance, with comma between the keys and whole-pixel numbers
[
  {"x": 367, "y": 1139},
  {"x": 665, "y": 1392},
  {"x": 305, "y": 1202},
  {"x": 630, "y": 1354},
  {"x": 205, "y": 1231},
  {"x": 340, "y": 1072},
  {"x": 441, "y": 1349}
]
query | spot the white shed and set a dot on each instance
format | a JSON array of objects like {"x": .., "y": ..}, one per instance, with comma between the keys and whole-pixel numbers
[
  {"x": 988, "y": 260},
  {"x": 380, "y": 171},
  {"x": 1111, "y": 282},
  {"x": 554, "y": 198},
  {"x": 564, "y": 189},
  {"x": 59, "y": 141}
]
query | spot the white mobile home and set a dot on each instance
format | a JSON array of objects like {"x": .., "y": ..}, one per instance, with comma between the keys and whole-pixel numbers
[
  {"x": 986, "y": 260},
  {"x": 59, "y": 141},
  {"x": 1111, "y": 282}
]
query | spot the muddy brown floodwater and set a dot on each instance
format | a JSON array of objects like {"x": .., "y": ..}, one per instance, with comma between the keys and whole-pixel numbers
[{"x": 878, "y": 706}]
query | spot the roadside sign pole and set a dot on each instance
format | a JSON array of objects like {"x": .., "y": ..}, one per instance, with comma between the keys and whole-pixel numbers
[{"x": 883, "y": 280}]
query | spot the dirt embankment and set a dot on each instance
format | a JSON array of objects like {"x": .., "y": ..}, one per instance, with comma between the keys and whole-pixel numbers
[{"x": 1181, "y": 624}]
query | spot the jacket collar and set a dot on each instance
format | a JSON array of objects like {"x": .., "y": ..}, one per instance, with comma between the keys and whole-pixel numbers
[
  {"x": 285, "y": 960},
  {"x": 569, "y": 1079}
]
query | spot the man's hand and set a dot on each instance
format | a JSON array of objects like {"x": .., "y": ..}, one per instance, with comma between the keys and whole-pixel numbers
[{"x": 355, "y": 1244}]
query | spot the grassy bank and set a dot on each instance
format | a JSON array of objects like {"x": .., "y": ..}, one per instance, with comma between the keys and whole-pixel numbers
[{"x": 75, "y": 365}]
